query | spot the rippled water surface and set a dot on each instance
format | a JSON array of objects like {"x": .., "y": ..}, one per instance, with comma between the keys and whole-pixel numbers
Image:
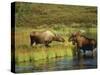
[{"x": 56, "y": 64}]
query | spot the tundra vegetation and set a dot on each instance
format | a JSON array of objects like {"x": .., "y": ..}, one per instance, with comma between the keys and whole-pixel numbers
[{"x": 60, "y": 19}]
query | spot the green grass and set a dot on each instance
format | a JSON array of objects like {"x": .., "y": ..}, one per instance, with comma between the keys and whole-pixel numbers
[
  {"x": 25, "y": 53},
  {"x": 61, "y": 19},
  {"x": 37, "y": 14}
]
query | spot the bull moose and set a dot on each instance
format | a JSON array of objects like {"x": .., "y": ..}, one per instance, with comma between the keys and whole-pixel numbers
[
  {"x": 82, "y": 42},
  {"x": 44, "y": 37}
]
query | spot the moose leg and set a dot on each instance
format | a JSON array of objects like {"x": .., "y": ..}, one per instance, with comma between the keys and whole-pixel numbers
[
  {"x": 78, "y": 53},
  {"x": 84, "y": 51},
  {"x": 92, "y": 51},
  {"x": 76, "y": 50},
  {"x": 47, "y": 43},
  {"x": 31, "y": 42}
]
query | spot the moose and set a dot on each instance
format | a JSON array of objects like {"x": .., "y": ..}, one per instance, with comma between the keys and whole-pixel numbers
[
  {"x": 82, "y": 42},
  {"x": 44, "y": 37}
]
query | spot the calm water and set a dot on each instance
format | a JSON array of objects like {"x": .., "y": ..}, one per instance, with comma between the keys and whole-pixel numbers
[{"x": 65, "y": 63}]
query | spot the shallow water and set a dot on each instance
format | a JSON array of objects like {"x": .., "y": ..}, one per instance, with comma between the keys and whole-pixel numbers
[{"x": 56, "y": 64}]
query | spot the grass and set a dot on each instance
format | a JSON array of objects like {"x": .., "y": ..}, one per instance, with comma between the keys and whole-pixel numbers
[
  {"x": 25, "y": 53},
  {"x": 37, "y": 14},
  {"x": 62, "y": 19}
]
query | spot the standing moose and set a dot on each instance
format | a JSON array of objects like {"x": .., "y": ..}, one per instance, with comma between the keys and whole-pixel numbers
[
  {"x": 44, "y": 37},
  {"x": 82, "y": 42}
]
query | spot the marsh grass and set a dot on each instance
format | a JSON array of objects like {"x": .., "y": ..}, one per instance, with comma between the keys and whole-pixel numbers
[
  {"x": 41, "y": 52},
  {"x": 25, "y": 53}
]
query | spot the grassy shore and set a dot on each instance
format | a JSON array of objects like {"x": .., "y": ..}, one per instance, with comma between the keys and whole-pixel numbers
[{"x": 25, "y": 53}]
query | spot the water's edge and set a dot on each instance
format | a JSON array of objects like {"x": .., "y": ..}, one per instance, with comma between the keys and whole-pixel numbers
[{"x": 59, "y": 64}]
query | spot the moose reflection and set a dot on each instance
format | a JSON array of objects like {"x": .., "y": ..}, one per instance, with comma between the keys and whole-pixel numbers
[{"x": 82, "y": 43}]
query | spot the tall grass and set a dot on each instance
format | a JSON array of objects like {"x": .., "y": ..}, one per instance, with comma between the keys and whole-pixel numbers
[{"x": 24, "y": 52}]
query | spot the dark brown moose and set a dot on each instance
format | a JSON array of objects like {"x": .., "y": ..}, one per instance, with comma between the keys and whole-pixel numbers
[
  {"x": 44, "y": 37},
  {"x": 82, "y": 42}
]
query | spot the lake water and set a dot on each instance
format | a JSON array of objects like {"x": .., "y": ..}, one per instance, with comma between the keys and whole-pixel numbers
[{"x": 56, "y": 64}]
